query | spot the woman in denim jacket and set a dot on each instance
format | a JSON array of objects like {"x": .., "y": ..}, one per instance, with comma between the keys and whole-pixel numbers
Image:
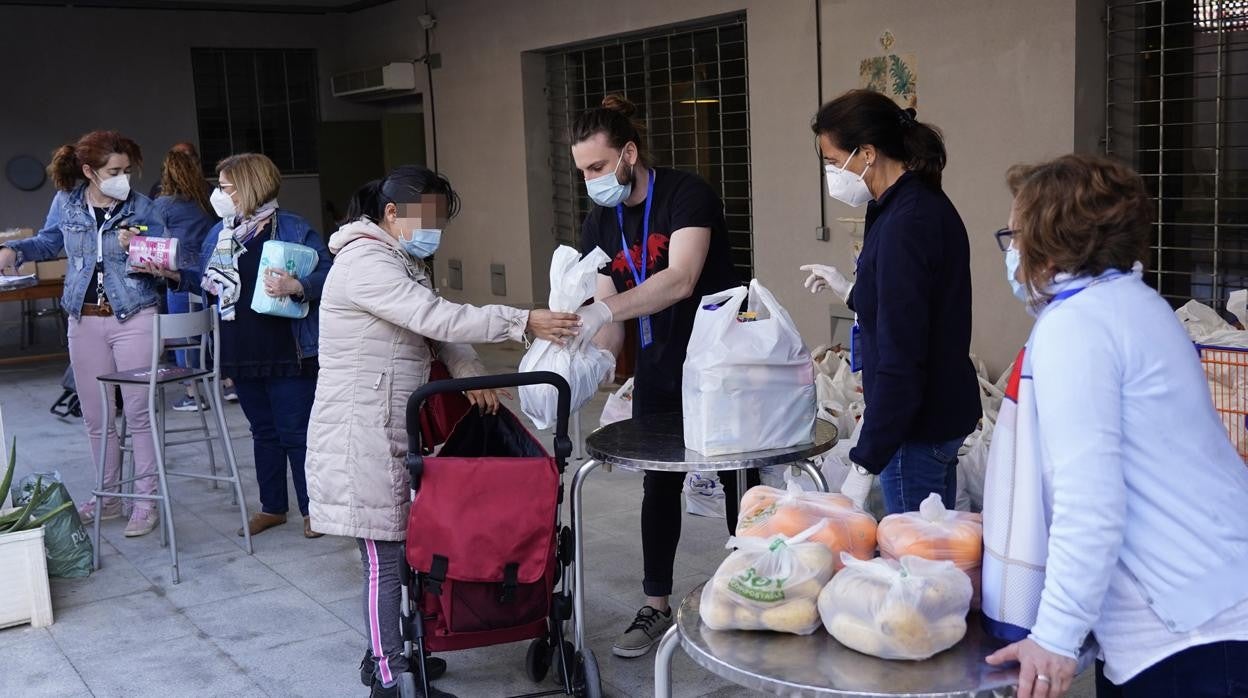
[
  {"x": 273, "y": 360},
  {"x": 111, "y": 310}
]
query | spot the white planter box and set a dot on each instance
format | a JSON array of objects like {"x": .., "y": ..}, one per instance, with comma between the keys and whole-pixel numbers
[{"x": 24, "y": 593}]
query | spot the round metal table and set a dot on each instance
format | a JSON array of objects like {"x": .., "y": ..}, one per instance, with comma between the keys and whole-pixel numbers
[
  {"x": 657, "y": 442},
  {"x": 818, "y": 665}
]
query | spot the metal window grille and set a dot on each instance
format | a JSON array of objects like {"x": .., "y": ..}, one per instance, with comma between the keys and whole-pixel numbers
[
  {"x": 690, "y": 87},
  {"x": 258, "y": 101},
  {"x": 1177, "y": 110}
]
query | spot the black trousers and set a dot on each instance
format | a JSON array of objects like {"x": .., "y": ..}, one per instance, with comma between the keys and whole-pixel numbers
[
  {"x": 1216, "y": 670},
  {"x": 661, "y": 514}
]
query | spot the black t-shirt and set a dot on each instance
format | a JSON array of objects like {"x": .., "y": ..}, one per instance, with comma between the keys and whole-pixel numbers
[
  {"x": 92, "y": 295},
  {"x": 681, "y": 200}
]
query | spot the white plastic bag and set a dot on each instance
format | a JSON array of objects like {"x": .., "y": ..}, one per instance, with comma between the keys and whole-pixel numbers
[
  {"x": 572, "y": 281},
  {"x": 973, "y": 468},
  {"x": 768, "y": 584},
  {"x": 910, "y": 609},
  {"x": 298, "y": 261},
  {"x": 704, "y": 496},
  {"x": 747, "y": 386},
  {"x": 619, "y": 405}
]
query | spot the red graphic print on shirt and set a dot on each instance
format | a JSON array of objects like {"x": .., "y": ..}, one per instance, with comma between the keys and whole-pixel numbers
[{"x": 658, "y": 244}]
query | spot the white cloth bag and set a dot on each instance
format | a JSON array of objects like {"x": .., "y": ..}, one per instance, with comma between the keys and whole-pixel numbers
[
  {"x": 748, "y": 386},
  {"x": 572, "y": 282},
  {"x": 619, "y": 405}
]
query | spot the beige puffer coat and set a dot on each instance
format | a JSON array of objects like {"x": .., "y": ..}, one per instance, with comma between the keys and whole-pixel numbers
[{"x": 377, "y": 310}]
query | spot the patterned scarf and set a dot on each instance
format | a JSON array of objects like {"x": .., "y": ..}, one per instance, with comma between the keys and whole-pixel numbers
[{"x": 221, "y": 278}]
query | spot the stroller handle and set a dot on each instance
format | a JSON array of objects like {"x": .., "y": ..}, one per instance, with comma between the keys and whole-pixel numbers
[{"x": 563, "y": 444}]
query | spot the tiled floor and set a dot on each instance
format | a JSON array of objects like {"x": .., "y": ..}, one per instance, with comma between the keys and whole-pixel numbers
[{"x": 286, "y": 621}]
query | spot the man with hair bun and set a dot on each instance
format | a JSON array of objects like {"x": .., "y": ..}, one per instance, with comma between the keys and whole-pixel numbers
[{"x": 666, "y": 234}]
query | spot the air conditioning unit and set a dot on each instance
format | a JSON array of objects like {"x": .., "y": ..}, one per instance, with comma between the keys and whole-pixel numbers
[{"x": 374, "y": 83}]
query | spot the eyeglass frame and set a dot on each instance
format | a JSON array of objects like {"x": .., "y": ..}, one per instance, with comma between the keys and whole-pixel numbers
[{"x": 1005, "y": 238}]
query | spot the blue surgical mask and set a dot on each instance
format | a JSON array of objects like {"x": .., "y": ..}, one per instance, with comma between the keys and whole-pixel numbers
[
  {"x": 1012, "y": 262},
  {"x": 607, "y": 190},
  {"x": 423, "y": 243}
]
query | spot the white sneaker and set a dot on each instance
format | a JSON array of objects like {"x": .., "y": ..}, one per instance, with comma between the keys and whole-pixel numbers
[
  {"x": 142, "y": 522},
  {"x": 111, "y": 510}
]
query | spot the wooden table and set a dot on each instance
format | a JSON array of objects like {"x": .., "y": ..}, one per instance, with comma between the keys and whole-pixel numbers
[{"x": 45, "y": 289}]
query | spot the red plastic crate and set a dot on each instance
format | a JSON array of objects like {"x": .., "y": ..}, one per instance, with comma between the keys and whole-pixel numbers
[{"x": 1226, "y": 369}]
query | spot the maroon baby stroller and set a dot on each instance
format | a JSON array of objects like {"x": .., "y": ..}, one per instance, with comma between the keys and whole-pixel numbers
[{"x": 489, "y": 560}]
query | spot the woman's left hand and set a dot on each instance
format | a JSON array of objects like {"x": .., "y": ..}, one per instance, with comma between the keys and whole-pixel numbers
[
  {"x": 153, "y": 270},
  {"x": 125, "y": 235},
  {"x": 278, "y": 283},
  {"x": 487, "y": 400},
  {"x": 1041, "y": 673}
]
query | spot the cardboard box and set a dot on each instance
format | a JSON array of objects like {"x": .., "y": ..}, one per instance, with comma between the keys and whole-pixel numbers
[{"x": 53, "y": 270}]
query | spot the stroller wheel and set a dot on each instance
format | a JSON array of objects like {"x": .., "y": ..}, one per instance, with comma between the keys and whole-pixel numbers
[
  {"x": 408, "y": 687},
  {"x": 537, "y": 661},
  {"x": 588, "y": 683}
]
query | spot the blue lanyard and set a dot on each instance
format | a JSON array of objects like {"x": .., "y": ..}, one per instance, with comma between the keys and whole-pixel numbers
[
  {"x": 1071, "y": 292},
  {"x": 645, "y": 234}
]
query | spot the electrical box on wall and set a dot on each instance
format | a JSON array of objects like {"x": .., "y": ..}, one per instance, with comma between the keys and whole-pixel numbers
[
  {"x": 498, "y": 279},
  {"x": 455, "y": 274}
]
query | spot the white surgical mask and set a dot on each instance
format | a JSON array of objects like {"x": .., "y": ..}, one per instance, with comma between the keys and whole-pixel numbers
[
  {"x": 1012, "y": 261},
  {"x": 424, "y": 242},
  {"x": 845, "y": 186},
  {"x": 607, "y": 190},
  {"x": 116, "y": 187},
  {"x": 222, "y": 203}
]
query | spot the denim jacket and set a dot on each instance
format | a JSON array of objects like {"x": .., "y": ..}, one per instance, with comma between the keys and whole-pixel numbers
[
  {"x": 289, "y": 227},
  {"x": 71, "y": 226}
]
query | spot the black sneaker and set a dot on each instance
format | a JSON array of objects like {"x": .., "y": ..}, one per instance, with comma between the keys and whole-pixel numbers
[
  {"x": 435, "y": 667},
  {"x": 647, "y": 628}
]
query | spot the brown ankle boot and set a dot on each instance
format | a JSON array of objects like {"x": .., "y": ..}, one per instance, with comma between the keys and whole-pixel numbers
[
  {"x": 262, "y": 522},
  {"x": 307, "y": 528}
]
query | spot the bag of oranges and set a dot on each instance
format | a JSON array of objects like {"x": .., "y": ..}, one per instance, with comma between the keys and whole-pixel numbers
[
  {"x": 767, "y": 511},
  {"x": 936, "y": 533}
]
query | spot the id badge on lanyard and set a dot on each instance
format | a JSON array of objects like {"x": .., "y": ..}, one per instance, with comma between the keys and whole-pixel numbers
[
  {"x": 100, "y": 298},
  {"x": 855, "y": 348},
  {"x": 643, "y": 322}
]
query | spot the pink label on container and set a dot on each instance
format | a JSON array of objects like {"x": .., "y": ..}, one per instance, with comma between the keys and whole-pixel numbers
[{"x": 163, "y": 252}]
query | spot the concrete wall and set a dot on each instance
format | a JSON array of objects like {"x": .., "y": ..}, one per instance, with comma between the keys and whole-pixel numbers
[
  {"x": 1007, "y": 80},
  {"x": 74, "y": 70},
  {"x": 999, "y": 76}
]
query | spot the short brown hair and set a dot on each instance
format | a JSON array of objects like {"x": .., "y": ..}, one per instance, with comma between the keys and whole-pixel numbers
[
  {"x": 255, "y": 178},
  {"x": 1079, "y": 214}
]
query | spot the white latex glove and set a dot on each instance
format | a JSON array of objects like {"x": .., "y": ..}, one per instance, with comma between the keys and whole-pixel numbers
[
  {"x": 858, "y": 485},
  {"x": 822, "y": 277},
  {"x": 593, "y": 318}
]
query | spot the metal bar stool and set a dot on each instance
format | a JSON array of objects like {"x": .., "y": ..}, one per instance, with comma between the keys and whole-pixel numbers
[{"x": 202, "y": 324}]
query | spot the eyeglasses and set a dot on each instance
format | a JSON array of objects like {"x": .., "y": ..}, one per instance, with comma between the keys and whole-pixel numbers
[{"x": 1005, "y": 238}]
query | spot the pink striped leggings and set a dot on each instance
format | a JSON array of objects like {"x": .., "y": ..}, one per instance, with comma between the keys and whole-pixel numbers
[{"x": 382, "y": 600}]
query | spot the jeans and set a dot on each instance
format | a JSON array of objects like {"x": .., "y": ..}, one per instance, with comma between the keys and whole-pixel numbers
[
  {"x": 278, "y": 409},
  {"x": 918, "y": 469},
  {"x": 1217, "y": 670},
  {"x": 661, "y": 514},
  {"x": 101, "y": 345}
]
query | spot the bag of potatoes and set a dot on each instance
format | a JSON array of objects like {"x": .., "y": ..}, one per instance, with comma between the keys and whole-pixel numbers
[
  {"x": 908, "y": 609},
  {"x": 767, "y": 511},
  {"x": 936, "y": 533},
  {"x": 769, "y": 584}
]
